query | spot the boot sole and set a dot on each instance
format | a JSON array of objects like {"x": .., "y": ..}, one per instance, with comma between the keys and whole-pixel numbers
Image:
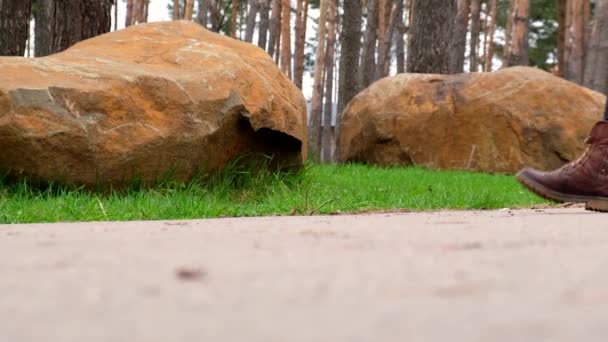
[
  {"x": 597, "y": 205},
  {"x": 593, "y": 203}
]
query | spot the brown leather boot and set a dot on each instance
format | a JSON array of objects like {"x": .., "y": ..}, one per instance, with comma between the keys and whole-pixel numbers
[{"x": 583, "y": 180}]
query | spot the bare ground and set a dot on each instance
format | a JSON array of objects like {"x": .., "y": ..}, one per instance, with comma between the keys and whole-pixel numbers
[{"x": 522, "y": 275}]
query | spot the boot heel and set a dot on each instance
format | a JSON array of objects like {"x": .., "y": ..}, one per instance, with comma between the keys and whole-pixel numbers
[{"x": 597, "y": 205}]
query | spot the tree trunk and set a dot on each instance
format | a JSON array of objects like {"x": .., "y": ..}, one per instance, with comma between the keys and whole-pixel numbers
[
  {"x": 317, "y": 92},
  {"x": 146, "y": 7},
  {"x": 297, "y": 30},
  {"x": 485, "y": 24},
  {"x": 140, "y": 11},
  {"x": 251, "y": 16},
  {"x": 115, "y": 15},
  {"x": 475, "y": 29},
  {"x": 576, "y": 67},
  {"x": 508, "y": 32},
  {"x": 587, "y": 23},
  {"x": 297, "y": 80},
  {"x": 561, "y": 7},
  {"x": 596, "y": 71},
  {"x": 388, "y": 14},
  {"x": 129, "y": 15},
  {"x": 400, "y": 43},
  {"x": 233, "y": 15},
  {"x": 298, "y": 61},
  {"x": 567, "y": 36},
  {"x": 275, "y": 19},
  {"x": 28, "y": 47},
  {"x": 350, "y": 43},
  {"x": 518, "y": 51},
  {"x": 14, "y": 26},
  {"x": 286, "y": 38},
  {"x": 202, "y": 12},
  {"x": 175, "y": 9},
  {"x": 329, "y": 81},
  {"x": 277, "y": 47},
  {"x": 368, "y": 59},
  {"x": 385, "y": 49},
  {"x": 263, "y": 6},
  {"x": 431, "y": 36},
  {"x": 410, "y": 13},
  {"x": 461, "y": 25},
  {"x": 135, "y": 12},
  {"x": 350, "y": 49},
  {"x": 60, "y": 24},
  {"x": 382, "y": 22},
  {"x": 215, "y": 15},
  {"x": 492, "y": 28},
  {"x": 410, "y": 19},
  {"x": 189, "y": 9}
]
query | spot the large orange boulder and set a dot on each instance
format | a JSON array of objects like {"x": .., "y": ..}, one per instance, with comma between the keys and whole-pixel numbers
[
  {"x": 144, "y": 101},
  {"x": 491, "y": 122}
]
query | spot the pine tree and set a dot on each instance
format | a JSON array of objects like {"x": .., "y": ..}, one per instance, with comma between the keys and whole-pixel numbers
[
  {"x": 382, "y": 22},
  {"x": 115, "y": 15},
  {"x": 576, "y": 41},
  {"x": 385, "y": 49},
  {"x": 189, "y": 9},
  {"x": 561, "y": 7},
  {"x": 368, "y": 57},
  {"x": 263, "y": 7},
  {"x": 492, "y": 28},
  {"x": 508, "y": 31},
  {"x": 485, "y": 25},
  {"x": 215, "y": 15},
  {"x": 251, "y": 16},
  {"x": 139, "y": 12},
  {"x": 202, "y": 12},
  {"x": 596, "y": 70},
  {"x": 459, "y": 41},
  {"x": 350, "y": 43},
  {"x": 431, "y": 35},
  {"x": 275, "y": 25},
  {"x": 300, "y": 33},
  {"x": 314, "y": 132},
  {"x": 277, "y": 43},
  {"x": 175, "y": 9},
  {"x": 14, "y": 26},
  {"x": 233, "y": 16},
  {"x": 146, "y": 7},
  {"x": 129, "y": 15},
  {"x": 329, "y": 81},
  {"x": 475, "y": 29},
  {"x": 518, "y": 50},
  {"x": 60, "y": 24},
  {"x": 286, "y": 38},
  {"x": 399, "y": 41}
]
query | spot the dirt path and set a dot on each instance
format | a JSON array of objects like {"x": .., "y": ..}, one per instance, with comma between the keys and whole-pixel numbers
[{"x": 529, "y": 275}]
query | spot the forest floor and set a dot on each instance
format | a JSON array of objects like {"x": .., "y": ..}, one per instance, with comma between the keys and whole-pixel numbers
[
  {"x": 249, "y": 191},
  {"x": 493, "y": 275}
]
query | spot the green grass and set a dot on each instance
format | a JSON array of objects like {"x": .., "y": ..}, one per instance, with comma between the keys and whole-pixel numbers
[{"x": 318, "y": 189}]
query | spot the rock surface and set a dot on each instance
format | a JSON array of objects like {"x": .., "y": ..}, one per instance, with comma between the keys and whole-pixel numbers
[
  {"x": 491, "y": 122},
  {"x": 140, "y": 102}
]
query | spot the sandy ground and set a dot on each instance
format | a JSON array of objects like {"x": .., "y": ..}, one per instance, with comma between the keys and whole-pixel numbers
[{"x": 527, "y": 275}]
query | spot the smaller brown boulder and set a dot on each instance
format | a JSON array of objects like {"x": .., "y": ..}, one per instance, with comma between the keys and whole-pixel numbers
[{"x": 491, "y": 122}]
